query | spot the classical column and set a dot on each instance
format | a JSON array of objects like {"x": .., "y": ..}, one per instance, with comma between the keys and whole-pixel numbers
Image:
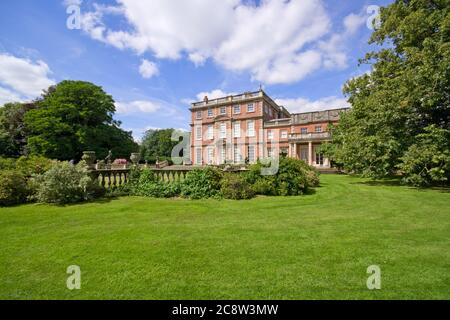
[
  {"x": 295, "y": 151},
  {"x": 310, "y": 153}
]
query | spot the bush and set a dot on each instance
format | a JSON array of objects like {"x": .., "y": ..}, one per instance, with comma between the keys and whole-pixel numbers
[
  {"x": 33, "y": 165},
  {"x": 294, "y": 177},
  {"x": 145, "y": 183},
  {"x": 265, "y": 186},
  {"x": 7, "y": 164},
  {"x": 427, "y": 161},
  {"x": 234, "y": 186},
  {"x": 202, "y": 183},
  {"x": 13, "y": 188},
  {"x": 65, "y": 183}
]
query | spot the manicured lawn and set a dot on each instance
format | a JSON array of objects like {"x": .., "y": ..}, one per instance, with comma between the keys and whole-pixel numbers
[{"x": 315, "y": 246}]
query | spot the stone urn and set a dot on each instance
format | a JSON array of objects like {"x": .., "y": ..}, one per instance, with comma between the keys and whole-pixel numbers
[
  {"x": 135, "y": 158},
  {"x": 89, "y": 158}
]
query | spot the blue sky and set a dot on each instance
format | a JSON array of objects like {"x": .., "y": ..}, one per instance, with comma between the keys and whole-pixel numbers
[{"x": 156, "y": 56}]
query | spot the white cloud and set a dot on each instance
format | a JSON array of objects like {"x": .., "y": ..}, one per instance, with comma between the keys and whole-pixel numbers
[
  {"x": 148, "y": 69},
  {"x": 8, "y": 96},
  {"x": 353, "y": 22},
  {"x": 300, "y": 105},
  {"x": 335, "y": 48},
  {"x": 69, "y": 3},
  {"x": 214, "y": 94},
  {"x": 275, "y": 41},
  {"x": 22, "y": 78},
  {"x": 144, "y": 106}
]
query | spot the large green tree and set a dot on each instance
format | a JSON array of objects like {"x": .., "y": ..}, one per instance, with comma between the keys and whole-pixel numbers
[
  {"x": 157, "y": 143},
  {"x": 406, "y": 92},
  {"x": 13, "y": 136},
  {"x": 76, "y": 116}
]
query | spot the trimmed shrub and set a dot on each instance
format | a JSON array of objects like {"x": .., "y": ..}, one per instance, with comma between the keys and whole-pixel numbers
[
  {"x": 13, "y": 188},
  {"x": 294, "y": 177},
  {"x": 265, "y": 186},
  {"x": 33, "y": 165},
  {"x": 145, "y": 183},
  {"x": 202, "y": 183},
  {"x": 234, "y": 186},
  {"x": 7, "y": 164},
  {"x": 65, "y": 183}
]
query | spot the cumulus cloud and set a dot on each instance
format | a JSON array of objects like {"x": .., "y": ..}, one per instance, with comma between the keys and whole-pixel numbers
[
  {"x": 275, "y": 41},
  {"x": 148, "y": 69},
  {"x": 299, "y": 105},
  {"x": 69, "y": 3},
  {"x": 214, "y": 94},
  {"x": 22, "y": 79},
  {"x": 8, "y": 96},
  {"x": 145, "y": 106}
]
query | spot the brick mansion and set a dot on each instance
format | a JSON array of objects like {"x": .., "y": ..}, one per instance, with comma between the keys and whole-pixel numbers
[{"x": 251, "y": 126}]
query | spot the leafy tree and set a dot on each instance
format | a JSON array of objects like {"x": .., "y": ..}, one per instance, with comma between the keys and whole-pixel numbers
[
  {"x": 427, "y": 161},
  {"x": 405, "y": 92},
  {"x": 75, "y": 116},
  {"x": 157, "y": 143},
  {"x": 13, "y": 136}
]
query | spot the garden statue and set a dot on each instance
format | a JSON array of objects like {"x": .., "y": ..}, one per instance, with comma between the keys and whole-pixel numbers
[
  {"x": 135, "y": 158},
  {"x": 108, "y": 158},
  {"x": 89, "y": 158}
]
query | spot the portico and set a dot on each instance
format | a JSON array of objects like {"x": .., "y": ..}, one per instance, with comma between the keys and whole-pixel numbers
[{"x": 306, "y": 147}]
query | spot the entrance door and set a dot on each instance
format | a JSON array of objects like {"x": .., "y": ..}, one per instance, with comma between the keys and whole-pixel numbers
[{"x": 319, "y": 159}]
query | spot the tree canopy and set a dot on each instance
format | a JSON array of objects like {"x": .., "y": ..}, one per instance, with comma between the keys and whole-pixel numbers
[
  {"x": 13, "y": 137},
  {"x": 71, "y": 117},
  {"x": 406, "y": 91},
  {"x": 157, "y": 143}
]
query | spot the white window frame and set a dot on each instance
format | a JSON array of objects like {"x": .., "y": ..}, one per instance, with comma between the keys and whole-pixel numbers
[
  {"x": 199, "y": 115},
  {"x": 284, "y": 134},
  {"x": 198, "y": 155},
  {"x": 210, "y": 113},
  {"x": 223, "y": 110},
  {"x": 223, "y": 154},
  {"x": 251, "y": 107},
  {"x": 270, "y": 152},
  {"x": 270, "y": 135},
  {"x": 236, "y": 109},
  {"x": 198, "y": 133},
  {"x": 251, "y": 159},
  {"x": 223, "y": 130},
  {"x": 211, "y": 132},
  {"x": 237, "y": 153},
  {"x": 304, "y": 130},
  {"x": 237, "y": 129},
  {"x": 318, "y": 129},
  {"x": 250, "y": 132},
  {"x": 210, "y": 155}
]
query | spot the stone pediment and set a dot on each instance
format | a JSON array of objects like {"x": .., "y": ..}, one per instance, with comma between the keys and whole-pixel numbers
[{"x": 222, "y": 118}]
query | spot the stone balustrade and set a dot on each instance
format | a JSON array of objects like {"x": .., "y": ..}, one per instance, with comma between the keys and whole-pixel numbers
[{"x": 115, "y": 177}]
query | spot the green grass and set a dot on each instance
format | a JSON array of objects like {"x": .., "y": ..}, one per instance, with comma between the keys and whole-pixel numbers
[{"x": 315, "y": 246}]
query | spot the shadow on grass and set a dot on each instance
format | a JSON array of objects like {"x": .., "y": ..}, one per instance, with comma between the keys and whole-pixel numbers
[
  {"x": 397, "y": 182},
  {"x": 388, "y": 182}
]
